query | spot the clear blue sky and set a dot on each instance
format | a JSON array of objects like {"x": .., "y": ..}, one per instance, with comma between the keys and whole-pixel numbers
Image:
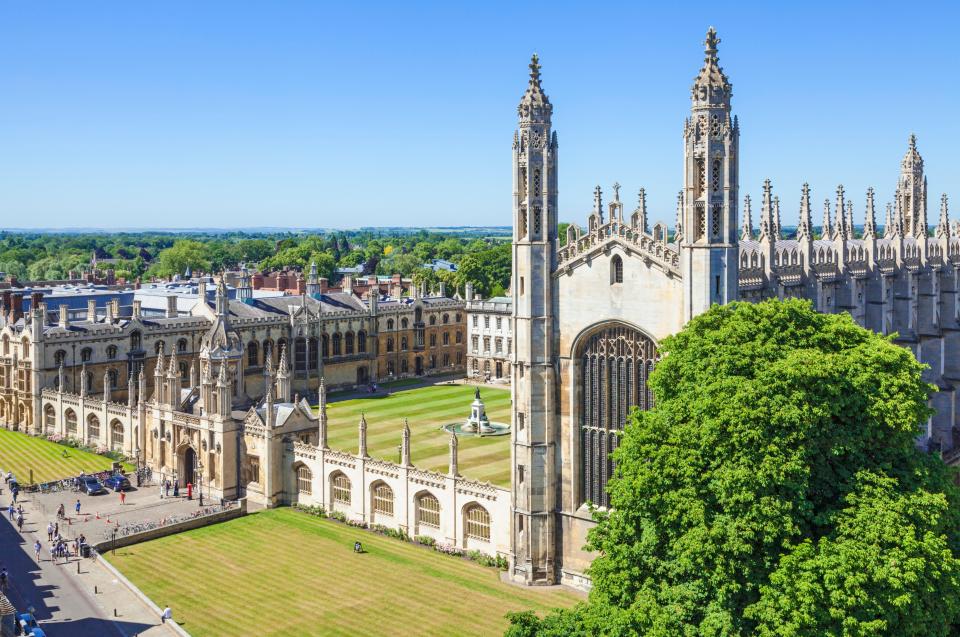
[{"x": 239, "y": 114}]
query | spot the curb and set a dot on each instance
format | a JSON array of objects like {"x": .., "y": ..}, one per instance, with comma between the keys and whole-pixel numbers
[{"x": 141, "y": 595}]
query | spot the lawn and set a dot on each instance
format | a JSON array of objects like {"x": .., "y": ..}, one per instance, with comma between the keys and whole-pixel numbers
[
  {"x": 427, "y": 409},
  {"x": 20, "y": 453},
  {"x": 281, "y": 572}
]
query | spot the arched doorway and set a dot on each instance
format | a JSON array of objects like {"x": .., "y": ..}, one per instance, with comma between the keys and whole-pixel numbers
[{"x": 188, "y": 464}]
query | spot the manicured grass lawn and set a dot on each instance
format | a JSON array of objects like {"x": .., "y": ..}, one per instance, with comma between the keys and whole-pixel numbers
[
  {"x": 281, "y": 572},
  {"x": 20, "y": 453},
  {"x": 427, "y": 409}
]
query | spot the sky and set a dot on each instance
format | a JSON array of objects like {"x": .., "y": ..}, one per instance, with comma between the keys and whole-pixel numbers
[{"x": 340, "y": 115}]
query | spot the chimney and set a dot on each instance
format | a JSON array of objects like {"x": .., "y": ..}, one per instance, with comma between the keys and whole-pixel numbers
[
  {"x": 347, "y": 284},
  {"x": 108, "y": 319},
  {"x": 469, "y": 292},
  {"x": 36, "y": 300},
  {"x": 172, "y": 306},
  {"x": 111, "y": 277},
  {"x": 16, "y": 308},
  {"x": 91, "y": 310},
  {"x": 372, "y": 280},
  {"x": 202, "y": 290},
  {"x": 64, "y": 318},
  {"x": 443, "y": 289},
  {"x": 137, "y": 305},
  {"x": 324, "y": 285}
]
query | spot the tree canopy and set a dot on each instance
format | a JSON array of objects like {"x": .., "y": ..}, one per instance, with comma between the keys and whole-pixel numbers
[{"x": 776, "y": 489}]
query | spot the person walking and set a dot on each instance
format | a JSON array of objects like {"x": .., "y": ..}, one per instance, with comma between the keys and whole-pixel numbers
[
  {"x": 36, "y": 549},
  {"x": 123, "y": 497},
  {"x": 20, "y": 522},
  {"x": 161, "y": 490},
  {"x": 200, "y": 495},
  {"x": 4, "y": 579},
  {"x": 166, "y": 615},
  {"x": 50, "y": 531},
  {"x": 15, "y": 492},
  {"x": 12, "y": 511},
  {"x": 56, "y": 530},
  {"x": 61, "y": 512},
  {"x": 77, "y": 507}
]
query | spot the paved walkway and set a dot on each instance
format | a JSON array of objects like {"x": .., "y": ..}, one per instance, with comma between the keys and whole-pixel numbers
[{"x": 80, "y": 598}]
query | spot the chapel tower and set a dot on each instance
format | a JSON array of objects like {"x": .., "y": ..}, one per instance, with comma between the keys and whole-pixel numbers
[
  {"x": 534, "y": 413},
  {"x": 911, "y": 195},
  {"x": 709, "y": 248}
]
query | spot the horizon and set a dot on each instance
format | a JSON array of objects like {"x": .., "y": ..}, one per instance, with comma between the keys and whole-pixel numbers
[{"x": 312, "y": 116}]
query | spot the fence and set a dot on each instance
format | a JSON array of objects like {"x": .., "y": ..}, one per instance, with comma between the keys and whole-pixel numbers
[{"x": 134, "y": 533}]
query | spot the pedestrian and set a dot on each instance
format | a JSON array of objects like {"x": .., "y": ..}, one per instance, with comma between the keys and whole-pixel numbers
[
  {"x": 176, "y": 489},
  {"x": 36, "y": 549},
  {"x": 166, "y": 615},
  {"x": 50, "y": 531},
  {"x": 56, "y": 530},
  {"x": 12, "y": 510},
  {"x": 20, "y": 522},
  {"x": 166, "y": 487},
  {"x": 15, "y": 492},
  {"x": 123, "y": 497},
  {"x": 77, "y": 507},
  {"x": 200, "y": 495},
  {"x": 61, "y": 512},
  {"x": 4, "y": 579},
  {"x": 161, "y": 490}
]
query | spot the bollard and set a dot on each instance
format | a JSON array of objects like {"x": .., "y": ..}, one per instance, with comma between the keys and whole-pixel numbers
[
  {"x": 95, "y": 591},
  {"x": 78, "y": 567},
  {"x": 115, "y": 612}
]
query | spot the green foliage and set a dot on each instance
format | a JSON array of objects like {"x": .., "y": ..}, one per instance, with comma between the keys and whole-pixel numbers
[
  {"x": 775, "y": 489},
  {"x": 488, "y": 270},
  {"x": 185, "y": 253}
]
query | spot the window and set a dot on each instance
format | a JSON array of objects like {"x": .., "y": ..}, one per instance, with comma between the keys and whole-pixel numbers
[
  {"x": 361, "y": 342},
  {"x": 433, "y": 340},
  {"x": 433, "y": 320},
  {"x": 404, "y": 323},
  {"x": 341, "y": 489},
  {"x": 93, "y": 428},
  {"x": 116, "y": 434},
  {"x": 304, "y": 479},
  {"x": 486, "y": 321},
  {"x": 112, "y": 352},
  {"x": 25, "y": 348},
  {"x": 348, "y": 343},
  {"x": 475, "y": 319},
  {"x": 433, "y": 362},
  {"x": 499, "y": 344},
  {"x": 300, "y": 354},
  {"x": 616, "y": 269},
  {"x": 475, "y": 341},
  {"x": 135, "y": 340},
  {"x": 428, "y": 511},
  {"x": 389, "y": 324},
  {"x": 403, "y": 343},
  {"x": 184, "y": 371},
  {"x": 253, "y": 356},
  {"x": 71, "y": 418},
  {"x": 446, "y": 319},
  {"x": 336, "y": 344},
  {"x": 389, "y": 343},
  {"x": 446, "y": 338},
  {"x": 49, "y": 418},
  {"x": 486, "y": 343},
  {"x": 383, "y": 500},
  {"x": 404, "y": 366},
  {"x": 459, "y": 358},
  {"x": 251, "y": 471},
  {"x": 459, "y": 337},
  {"x": 158, "y": 347},
  {"x": 182, "y": 345},
  {"x": 86, "y": 354},
  {"x": 112, "y": 378},
  {"x": 390, "y": 368},
  {"x": 499, "y": 322},
  {"x": 60, "y": 357},
  {"x": 325, "y": 346},
  {"x": 446, "y": 360},
  {"x": 478, "y": 523},
  {"x": 458, "y": 317}
]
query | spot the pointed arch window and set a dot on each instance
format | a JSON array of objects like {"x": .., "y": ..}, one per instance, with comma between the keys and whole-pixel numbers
[{"x": 616, "y": 270}]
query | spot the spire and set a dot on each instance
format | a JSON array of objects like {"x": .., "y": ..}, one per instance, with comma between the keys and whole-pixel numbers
[
  {"x": 851, "y": 233},
  {"x": 405, "y": 444},
  {"x": 640, "y": 214},
  {"x": 141, "y": 388},
  {"x": 943, "y": 227},
  {"x": 106, "y": 386},
  {"x": 870, "y": 218},
  {"x": 776, "y": 219},
  {"x": 827, "y": 231},
  {"x": 454, "y": 460},
  {"x": 805, "y": 223},
  {"x": 83, "y": 380},
  {"x": 840, "y": 221},
  {"x": 746, "y": 234},
  {"x": 766, "y": 214},
  {"x": 221, "y": 298},
  {"x": 131, "y": 390},
  {"x": 363, "y": 437},
  {"x": 282, "y": 366},
  {"x": 888, "y": 222},
  {"x": 534, "y": 106},
  {"x": 678, "y": 230},
  {"x": 598, "y": 204},
  {"x": 711, "y": 89}
]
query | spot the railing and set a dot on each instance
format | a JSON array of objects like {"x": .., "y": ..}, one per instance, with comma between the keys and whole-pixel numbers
[{"x": 132, "y": 528}]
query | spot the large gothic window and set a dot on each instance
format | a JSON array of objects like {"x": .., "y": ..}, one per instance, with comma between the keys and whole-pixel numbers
[{"x": 615, "y": 363}]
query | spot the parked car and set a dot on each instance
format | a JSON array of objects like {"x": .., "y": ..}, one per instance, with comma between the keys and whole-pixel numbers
[
  {"x": 91, "y": 486},
  {"x": 117, "y": 482}
]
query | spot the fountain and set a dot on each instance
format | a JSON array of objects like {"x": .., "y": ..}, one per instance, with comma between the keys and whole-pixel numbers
[{"x": 478, "y": 424}]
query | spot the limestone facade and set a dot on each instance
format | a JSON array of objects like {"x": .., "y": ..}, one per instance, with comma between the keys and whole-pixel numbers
[
  {"x": 489, "y": 337},
  {"x": 588, "y": 315}
]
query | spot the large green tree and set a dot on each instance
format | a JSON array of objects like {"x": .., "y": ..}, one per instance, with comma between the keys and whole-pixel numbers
[{"x": 776, "y": 489}]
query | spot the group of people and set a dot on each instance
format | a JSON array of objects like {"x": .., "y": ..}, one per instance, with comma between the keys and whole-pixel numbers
[
  {"x": 166, "y": 485},
  {"x": 11, "y": 481}
]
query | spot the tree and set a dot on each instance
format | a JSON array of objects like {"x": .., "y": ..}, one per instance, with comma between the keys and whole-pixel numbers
[
  {"x": 775, "y": 489},
  {"x": 185, "y": 253}
]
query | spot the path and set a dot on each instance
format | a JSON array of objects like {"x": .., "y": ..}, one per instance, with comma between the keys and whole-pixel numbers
[{"x": 65, "y": 602}]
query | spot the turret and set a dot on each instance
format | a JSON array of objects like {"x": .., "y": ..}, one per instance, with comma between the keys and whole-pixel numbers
[
  {"x": 362, "y": 434},
  {"x": 405, "y": 444},
  {"x": 746, "y": 232},
  {"x": 283, "y": 377},
  {"x": 322, "y": 414},
  {"x": 767, "y": 238},
  {"x": 83, "y": 380},
  {"x": 106, "y": 387},
  {"x": 131, "y": 391},
  {"x": 454, "y": 460},
  {"x": 639, "y": 218},
  {"x": 805, "y": 228}
]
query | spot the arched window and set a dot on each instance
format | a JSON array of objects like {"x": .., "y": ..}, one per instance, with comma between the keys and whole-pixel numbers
[
  {"x": 428, "y": 511},
  {"x": 253, "y": 354},
  {"x": 60, "y": 357},
  {"x": 404, "y": 323},
  {"x": 361, "y": 342},
  {"x": 313, "y": 349},
  {"x": 136, "y": 340},
  {"x": 49, "y": 419},
  {"x": 433, "y": 340},
  {"x": 458, "y": 317},
  {"x": 433, "y": 319},
  {"x": 403, "y": 343},
  {"x": 112, "y": 352},
  {"x": 459, "y": 337},
  {"x": 446, "y": 319},
  {"x": 86, "y": 354},
  {"x": 93, "y": 428},
  {"x": 116, "y": 435},
  {"x": 477, "y": 523},
  {"x": 446, "y": 338},
  {"x": 304, "y": 479},
  {"x": 616, "y": 269},
  {"x": 404, "y": 366},
  {"x": 71, "y": 420},
  {"x": 267, "y": 351},
  {"x": 158, "y": 347},
  {"x": 6, "y": 345},
  {"x": 348, "y": 343},
  {"x": 340, "y": 489},
  {"x": 182, "y": 345},
  {"x": 615, "y": 363},
  {"x": 25, "y": 348},
  {"x": 89, "y": 381},
  {"x": 390, "y": 324},
  {"x": 184, "y": 371},
  {"x": 391, "y": 370},
  {"x": 325, "y": 341},
  {"x": 383, "y": 499},
  {"x": 389, "y": 343},
  {"x": 300, "y": 354},
  {"x": 336, "y": 344},
  {"x": 112, "y": 378}
]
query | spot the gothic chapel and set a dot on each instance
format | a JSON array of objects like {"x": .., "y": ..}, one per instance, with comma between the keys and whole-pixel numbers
[{"x": 588, "y": 315}]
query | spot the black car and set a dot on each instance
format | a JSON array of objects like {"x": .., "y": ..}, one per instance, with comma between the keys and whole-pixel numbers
[{"x": 91, "y": 486}]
